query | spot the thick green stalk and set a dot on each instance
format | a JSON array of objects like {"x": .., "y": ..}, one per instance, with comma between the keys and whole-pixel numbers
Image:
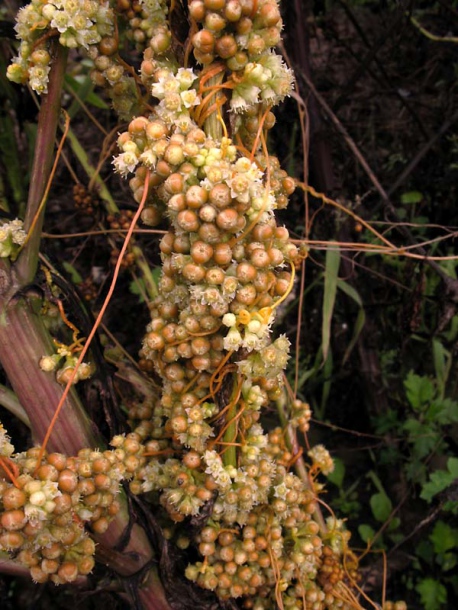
[{"x": 48, "y": 119}]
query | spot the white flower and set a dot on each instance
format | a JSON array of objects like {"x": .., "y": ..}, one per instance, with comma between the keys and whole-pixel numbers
[
  {"x": 252, "y": 342},
  {"x": 148, "y": 158},
  {"x": 280, "y": 491},
  {"x": 190, "y": 98},
  {"x": 185, "y": 77},
  {"x": 233, "y": 340},
  {"x": 84, "y": 514},
  {"x": 34, "y": 513},
  {"x": 216, "y": 469},
  {"x": 282, "y": 343},
  {"x": 245, "y": 368},
  {"x": 243, "y": 96},
  {"x": 17, "y": 231},
  {"x": 229, "y": 319},
  {"x": 321, "y": 458},
  {"x": 125, "y": 163},
  {"x": 38, "y": 78},
  {"x": 184, "y": 122},
  {"x": 60, "y": 21}
]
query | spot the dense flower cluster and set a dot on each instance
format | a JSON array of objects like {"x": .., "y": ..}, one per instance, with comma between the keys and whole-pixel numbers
[
  {"x": 227, "y": 266},
  {"x": 12, "y": 236},
  {"x": 199, "y": 451},
  {"x": 80, "y": 24},
  {"x": 64, "y": 370},
  {"x": 44, "y": 511}
]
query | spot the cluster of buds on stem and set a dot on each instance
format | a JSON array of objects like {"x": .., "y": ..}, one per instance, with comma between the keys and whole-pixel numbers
[
  {"x": 65, "y": 370},
  {"x": 49, "y": 507},
  {"x": 12, "y": 237},
  {"x": 226, "y": 267},
  {"x": 79, "y": 24}
]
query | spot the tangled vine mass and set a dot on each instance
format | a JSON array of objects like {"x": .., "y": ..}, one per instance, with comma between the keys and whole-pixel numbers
[{"x": 239, "y": 501}]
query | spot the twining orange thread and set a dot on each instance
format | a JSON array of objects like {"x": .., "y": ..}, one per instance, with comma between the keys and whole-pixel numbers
[{"x": 97, "y": 321}]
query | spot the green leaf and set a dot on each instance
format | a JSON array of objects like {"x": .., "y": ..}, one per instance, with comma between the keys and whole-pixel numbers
[
  {"x": 137, "y": 287},
  {"x": 452, "y": 466},
  {"x": 312, "y": 372},
  {"x": 411, "y": 197},
  {"x": 358, "y": 327},
  {"x": 360, "y": 318},
  {"x": 381, "y": 506},
  {"x": 439, "y": 480},
  {"x": 448, "y": 561},
  {"x": 349, "y": 291},
  {"x": 327, "y": 373},
  {"x": 83, "y": 88},
  {"x": 419, "y": 390},
  {"x": 433, "y": 594},
  {"x": 441, "y": 356},
  {"x": 443, "y": 537},
  {"x": 424, "y": 436},
  {"x": 338, "y": 474},
  {"x": 394, "y": 524},
  {"x": 366, "y": 532},
  {"x": 428, "y": 441},
  {"x": 329, "y": 297},
  {"x": 424, "y": 551},
  {"x": 72, "y": 272},
  {"x": 443, "y": 412}
]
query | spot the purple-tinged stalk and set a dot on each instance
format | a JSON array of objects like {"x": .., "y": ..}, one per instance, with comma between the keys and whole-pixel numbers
[
  {"x": 48, "y": 119},
  {"x": 23, "y": 340}
]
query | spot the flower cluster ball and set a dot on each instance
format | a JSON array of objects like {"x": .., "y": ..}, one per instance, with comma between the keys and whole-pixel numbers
[
  {"x": 64, "y": 370},
  {"x": 227, "y": 265},
  {"x": 44, "y": 513},
  {"x": 149, "y": 30},
  {"x": 110, "y": 73},
  {"x": 321, "y": 459},
  {"x": 146, "y": 22},
  {"x": 266, "y": 80},
  {"x": 301, "y": 415},
  {"x": 79, "y": 24},
  {"x": 86, "y": 201},
  {"x": 234, "y": 30},
  {"x": 244, "y": 559},
  {"x": 12, "y": 235},
  {"x": 241, "y": 34},
  {"x": 225, "y": 268}
]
